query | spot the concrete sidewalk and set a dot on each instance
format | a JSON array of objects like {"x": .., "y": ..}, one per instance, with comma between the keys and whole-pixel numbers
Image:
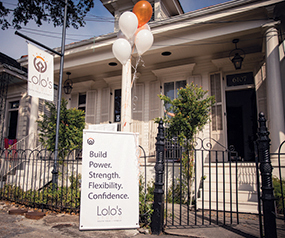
[
  {"x": 65, "y": 225},
  {"x": 215, "y": 225}
]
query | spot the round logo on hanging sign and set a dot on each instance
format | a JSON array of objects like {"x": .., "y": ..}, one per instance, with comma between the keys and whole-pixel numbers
[{"x": 40, "y": 64}]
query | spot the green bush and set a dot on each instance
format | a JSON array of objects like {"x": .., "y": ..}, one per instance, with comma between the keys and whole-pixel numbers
[
  {"x": 278, "y": 194},
  {"x": 72, "y": 123},
  {"x": 146, "y": 202},
  {"x": 51, "y": 196},
  {"x": 63, "y": 198}
]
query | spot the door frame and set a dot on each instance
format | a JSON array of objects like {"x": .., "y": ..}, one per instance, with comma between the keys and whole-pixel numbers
[{"x": 228, "y": 89}]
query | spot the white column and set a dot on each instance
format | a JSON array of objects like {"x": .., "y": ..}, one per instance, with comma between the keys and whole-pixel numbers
[
  {"x": 126, "y": 110},
  {"x": 274, "y": 89},
  {"x": 32, "y": 121}
]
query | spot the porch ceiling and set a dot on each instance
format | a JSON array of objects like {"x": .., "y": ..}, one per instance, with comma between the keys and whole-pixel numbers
[{"x": 190, "y": 52}]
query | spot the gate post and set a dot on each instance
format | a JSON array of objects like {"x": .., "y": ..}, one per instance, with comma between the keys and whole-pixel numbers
[
  {"x": 157, "y": 220},
  {"x": 266, "y": 178}
]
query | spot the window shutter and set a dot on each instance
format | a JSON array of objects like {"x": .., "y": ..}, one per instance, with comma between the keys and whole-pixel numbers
[
  {"x": 217, "y": 120},
  {"x": 137, "y": 110},
  {"x": 90, "y": 107},
  {"x": 154, "y": 101},
  {"x": 55, "y": 94},
  {"x": 41, "y": 106},
  {"x": 105, "y": 105},
  {"x": 217, "y": 123},
  {"x": 43, "y": 109},
  {"x": 137, "y": 102},
  {"x": 74, "y": 100}
]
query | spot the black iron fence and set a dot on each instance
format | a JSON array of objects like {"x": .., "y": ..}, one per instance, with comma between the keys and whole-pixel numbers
[
  {"x": 210, "y": 185},
  {"x": 205, "y": 186},
  {"x": 26, "y": 178},
  {"x": 202, "y": 185}
]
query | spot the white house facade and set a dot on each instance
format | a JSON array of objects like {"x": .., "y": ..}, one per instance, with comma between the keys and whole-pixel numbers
[
  {"x": 199, "y": 47},
  {"x": 191, "y": 47},
  {"x": 188, "y": 47}
]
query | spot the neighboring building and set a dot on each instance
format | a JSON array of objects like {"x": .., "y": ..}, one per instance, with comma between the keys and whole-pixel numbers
[
  {"x": 14, "y": 112},
  {"x": 18, "y": 111}
]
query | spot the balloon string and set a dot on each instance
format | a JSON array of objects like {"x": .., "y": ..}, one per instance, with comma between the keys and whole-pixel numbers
[{"x": 135, "y": 70}]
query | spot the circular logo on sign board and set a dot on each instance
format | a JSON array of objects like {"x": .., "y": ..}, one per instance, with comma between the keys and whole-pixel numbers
[{"x": 90, "y": 141}]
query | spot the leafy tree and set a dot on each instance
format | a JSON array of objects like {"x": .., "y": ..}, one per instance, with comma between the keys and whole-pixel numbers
[
  {"x": 45, "y": 10},
  {"x": 190, "y": 112},
  {"x": 186, "y": 116},
  {"x": 72, "y": 123}
]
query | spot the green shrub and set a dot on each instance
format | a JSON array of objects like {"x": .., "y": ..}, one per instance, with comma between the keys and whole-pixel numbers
[
  {"x": 146, "y": 202},
  {"x": 278, "y": 194}
]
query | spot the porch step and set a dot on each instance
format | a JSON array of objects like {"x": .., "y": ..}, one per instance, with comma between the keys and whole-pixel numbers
[
  {"x": 247, "y": 207},
  {"x": 224, "y": 180},
  {"x": 243, "y": 196},
  {"x": 227, "y": 186}
]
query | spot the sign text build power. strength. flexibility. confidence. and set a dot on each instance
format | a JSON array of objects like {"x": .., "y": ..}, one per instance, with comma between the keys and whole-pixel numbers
[
  {"x": 107, "y": 176},
  {"x": 109, "y": 193}
]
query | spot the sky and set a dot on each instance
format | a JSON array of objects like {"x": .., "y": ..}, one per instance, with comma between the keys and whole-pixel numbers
[{"x": 98, "y": 22}]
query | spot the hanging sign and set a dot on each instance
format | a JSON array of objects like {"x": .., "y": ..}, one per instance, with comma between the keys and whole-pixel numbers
[
  {"x": 40, "y": 73},
  {"x": 110, "y": 181}
]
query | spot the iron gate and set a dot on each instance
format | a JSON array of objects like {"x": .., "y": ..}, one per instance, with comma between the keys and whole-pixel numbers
[
  {"x": 202, "y": 186},
  {"x": 210, "y": 185}
]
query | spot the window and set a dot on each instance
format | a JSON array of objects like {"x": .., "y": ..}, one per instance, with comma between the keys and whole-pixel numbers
[
  {"x": 171, "y": 89},
  {"x": 82, "y": 101},
  {"x": 13, "y": 119},
  {"x": 217, "y": 121},
  {"x": 117, "y": 105},
  {"x": 87, "y": 103},
  {"x": 43, "y": 109}
]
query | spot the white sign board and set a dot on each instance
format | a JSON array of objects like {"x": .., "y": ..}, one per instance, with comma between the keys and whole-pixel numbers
[
  {"x": 110, "y": 181},
  {"x": 40, "y": 73},
  {"x": 103, "y": 127}
]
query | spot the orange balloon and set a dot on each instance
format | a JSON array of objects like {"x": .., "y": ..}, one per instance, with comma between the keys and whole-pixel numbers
[{"x": 143, "y": 11}]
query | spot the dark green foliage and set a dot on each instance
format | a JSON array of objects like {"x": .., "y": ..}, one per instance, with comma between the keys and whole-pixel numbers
[
  {"x": 67, "y": 198},
  {"x": 53, "y": 197},
  {"x": 45, "y": 10},
  {"x": 146, "y": 199},
  {"x": 191, "y": 111},
  {"x": 72, "y": 123},
  {"x": 278, "y": 194}
]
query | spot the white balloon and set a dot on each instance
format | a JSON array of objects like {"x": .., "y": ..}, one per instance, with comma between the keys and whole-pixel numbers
[
  {"x": 128, "y": 23},
  {"x": 144, "y": 40},
  {"x": 120, "y": 34},
  {"x": 122, "y": 50},
  {"x": 144, "y": 27}
]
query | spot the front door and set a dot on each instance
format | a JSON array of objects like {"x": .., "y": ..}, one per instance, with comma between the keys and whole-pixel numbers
[{"x": 242, "y": 122}]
